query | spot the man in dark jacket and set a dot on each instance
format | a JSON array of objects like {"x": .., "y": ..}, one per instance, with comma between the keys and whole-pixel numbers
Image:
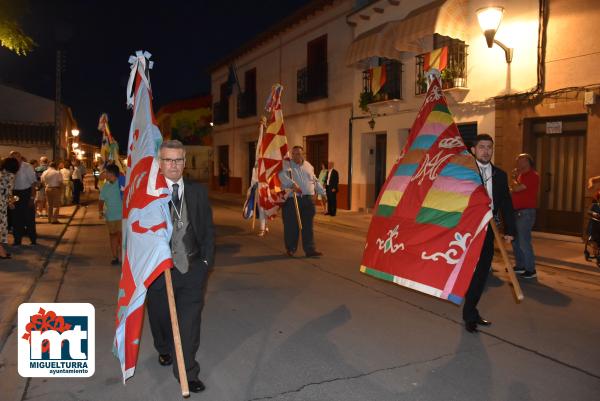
[
  {"x": 331, "y": 188},
  {"x": 192, "y": 247},
  {"x": 495, "y": 181}
]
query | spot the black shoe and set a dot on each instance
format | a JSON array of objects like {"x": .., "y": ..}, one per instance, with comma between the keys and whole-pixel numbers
[
  {"x": 519, "y": 270},
  {"x": 115, "y": 261},
  {"x": 196, "y": 386},
  {"x": 528, "y": 275},
  {"x": 7, "y": 256},
  {"x": 165, "y": 359},
  {"x": 482, "y": 322},
  {"x": 471, "y": 327},
  {"x": 314, "y": 254},
  {"x": 289, "y": 253}
]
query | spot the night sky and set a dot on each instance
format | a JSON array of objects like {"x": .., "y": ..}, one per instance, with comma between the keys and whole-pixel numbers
[{"x": 184, "y": 37}]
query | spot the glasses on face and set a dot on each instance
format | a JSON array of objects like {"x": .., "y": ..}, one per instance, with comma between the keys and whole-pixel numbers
[{"x": 177, "y": 162}]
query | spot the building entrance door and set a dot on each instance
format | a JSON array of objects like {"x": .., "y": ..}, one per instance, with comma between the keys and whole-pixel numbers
[
  {"x": 223, "y": 170},
  {"x": 559, "y": 151},
  {"x": 380, "y": 162},
  {"x": 317, "y": 150},
  {"x": 251, "y": 158}
]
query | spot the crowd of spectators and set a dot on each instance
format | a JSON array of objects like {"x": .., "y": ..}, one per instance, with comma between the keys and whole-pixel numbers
[{"x": 35, "y": 188}]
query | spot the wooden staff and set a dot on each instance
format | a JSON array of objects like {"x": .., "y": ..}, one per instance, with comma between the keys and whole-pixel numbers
[
  {"x": 509, "y": 269},
  {"x": 185, "y": 391},
  {"x": 297, "y": 211},
  {"x": 295, "y": 201}
]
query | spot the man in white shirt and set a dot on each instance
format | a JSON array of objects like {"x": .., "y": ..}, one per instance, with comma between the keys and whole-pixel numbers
[
  {"x": 23, "y": 215},
  {"x": 52, "y": 182},
  {"x": 299, "y": 176}
]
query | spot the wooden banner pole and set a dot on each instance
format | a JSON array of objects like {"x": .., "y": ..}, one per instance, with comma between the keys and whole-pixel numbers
[
  {"x": 185, "y": 391},
  {"x": 297, "y": 211},
  {"x": 254, "y": 208},
  {"x": 509, "y": 268}
]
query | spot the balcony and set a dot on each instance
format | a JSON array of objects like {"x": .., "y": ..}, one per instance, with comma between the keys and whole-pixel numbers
[
  {"x": 389, "y": 94},
  {"x": 311, "y": 83},
  {"x": 246, "y": 104},
  {"x": 221, "y": 111},
  {"x": 455, "y": 73},
  {"x": 17, "y": 133}
]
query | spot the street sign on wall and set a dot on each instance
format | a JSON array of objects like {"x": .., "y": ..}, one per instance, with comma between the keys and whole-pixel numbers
[{"x": 554, "y": 127}]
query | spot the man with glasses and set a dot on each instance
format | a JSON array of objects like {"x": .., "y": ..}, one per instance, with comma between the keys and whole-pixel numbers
[{"x": 192, "y": 248}]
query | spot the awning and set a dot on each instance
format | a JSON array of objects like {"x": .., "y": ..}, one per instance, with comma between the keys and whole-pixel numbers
[
  {"x": 445, "y": 17},
  {"x": 372, "y": 43}
]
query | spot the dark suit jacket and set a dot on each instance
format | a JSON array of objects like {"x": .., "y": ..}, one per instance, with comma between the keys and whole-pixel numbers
[
  {"x": 200, "y": 215},
  {"x": 333, "y": 180},
  {"x": 502, "y": 200}
]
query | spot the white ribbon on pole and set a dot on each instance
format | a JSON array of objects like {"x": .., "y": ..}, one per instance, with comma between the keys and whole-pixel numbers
[{"x": 138, "y": 63}]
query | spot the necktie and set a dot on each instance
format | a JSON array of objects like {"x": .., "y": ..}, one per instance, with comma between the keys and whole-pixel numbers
[{"x": 175, "y": 196}]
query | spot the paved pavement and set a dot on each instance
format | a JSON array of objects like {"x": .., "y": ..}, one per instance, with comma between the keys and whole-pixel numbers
[
  {"x": 300, "y": 329},
  {"x": 19, "y": 274}
]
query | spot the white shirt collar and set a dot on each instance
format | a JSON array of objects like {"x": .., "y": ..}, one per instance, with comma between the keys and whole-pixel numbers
[{"x": 170, "y": 185}]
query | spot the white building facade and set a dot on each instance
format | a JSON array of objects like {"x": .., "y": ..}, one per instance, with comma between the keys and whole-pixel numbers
[{"x": 337, "y": 118}]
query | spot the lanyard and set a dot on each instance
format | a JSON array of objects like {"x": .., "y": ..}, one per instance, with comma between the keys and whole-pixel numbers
[{"x": 178, "y": 212}]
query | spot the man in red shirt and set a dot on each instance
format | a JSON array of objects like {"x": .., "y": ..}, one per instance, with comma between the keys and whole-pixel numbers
[{"x": 525, "y": 186}]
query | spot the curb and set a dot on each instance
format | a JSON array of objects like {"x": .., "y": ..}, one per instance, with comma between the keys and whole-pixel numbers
[
  {"x": 32, "y": 282},
  {"x": 231, "y": 200}
]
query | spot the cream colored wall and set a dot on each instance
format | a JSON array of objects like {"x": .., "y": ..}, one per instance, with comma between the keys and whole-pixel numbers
[
  {"x": 278, "y": 60},
  {"x": 573, "y": 51}
]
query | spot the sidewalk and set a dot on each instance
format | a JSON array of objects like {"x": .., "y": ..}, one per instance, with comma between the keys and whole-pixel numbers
[
  {"x": 561, "y": 252},
  {"x": 19, "y": 275}
]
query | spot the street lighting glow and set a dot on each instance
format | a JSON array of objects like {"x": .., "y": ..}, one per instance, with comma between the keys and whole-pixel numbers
[
  {"x": 489, "y": 20},
  {"x": 75, "y": 132},
  {"x": 75, "y": 145},
  {"x": 212, "y": 124}
]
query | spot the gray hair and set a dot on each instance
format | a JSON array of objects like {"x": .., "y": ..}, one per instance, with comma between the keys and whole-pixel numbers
[{"x": 172, "y": 144}]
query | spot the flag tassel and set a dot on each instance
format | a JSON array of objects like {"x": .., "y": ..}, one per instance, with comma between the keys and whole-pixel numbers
[
  {"x": 511, "y": 273},
  {"x": 185, "y": 391}
]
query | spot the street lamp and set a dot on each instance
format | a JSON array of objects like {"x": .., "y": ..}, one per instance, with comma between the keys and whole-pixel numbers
[
  {"x": 75, "y": 145},
  {"x": 75, "y": 132},
  {"x": 489, "y": 21}
]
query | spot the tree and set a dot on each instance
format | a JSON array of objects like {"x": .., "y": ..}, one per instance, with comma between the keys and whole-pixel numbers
[{"x": 11, "y": 35}]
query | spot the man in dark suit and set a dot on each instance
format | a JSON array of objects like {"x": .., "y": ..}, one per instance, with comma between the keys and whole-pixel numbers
[
  {"x": 192, "y": 247},
  {"x": 331, "y": 188},
  {"x": 495, "y": 181}
]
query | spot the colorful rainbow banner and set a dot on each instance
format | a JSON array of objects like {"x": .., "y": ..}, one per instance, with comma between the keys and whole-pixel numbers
[{"x": 432, "y": 212}]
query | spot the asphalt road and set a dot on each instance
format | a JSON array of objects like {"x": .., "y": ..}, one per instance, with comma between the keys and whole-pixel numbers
[{"x": 300, "y": 329}]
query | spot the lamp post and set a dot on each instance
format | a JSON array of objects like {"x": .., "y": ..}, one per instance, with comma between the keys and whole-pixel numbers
[
  {"x": 489, "y": 21},
  {"x": 74, "y": 134}
]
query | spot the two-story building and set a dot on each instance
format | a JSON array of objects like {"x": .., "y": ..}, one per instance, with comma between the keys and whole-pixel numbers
[{"x": 353, "y": 74}]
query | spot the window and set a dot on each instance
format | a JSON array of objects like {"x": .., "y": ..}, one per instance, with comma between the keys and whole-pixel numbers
[
  {"x": 311, "y": 81},
  {"x": 455, "y": 74},
  {"x": 221, "y": 108},
  {"x": 246, "y": 105},
  {"x": 392, "y": 84}
]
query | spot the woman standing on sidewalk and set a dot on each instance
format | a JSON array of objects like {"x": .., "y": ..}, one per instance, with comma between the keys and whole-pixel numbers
[{"x": 8, "y": 169}]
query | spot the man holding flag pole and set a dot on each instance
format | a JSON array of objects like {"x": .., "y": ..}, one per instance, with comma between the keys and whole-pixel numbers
[
  {"x": 433, "y": 226},
  {"x": 155, "y": 200}
]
